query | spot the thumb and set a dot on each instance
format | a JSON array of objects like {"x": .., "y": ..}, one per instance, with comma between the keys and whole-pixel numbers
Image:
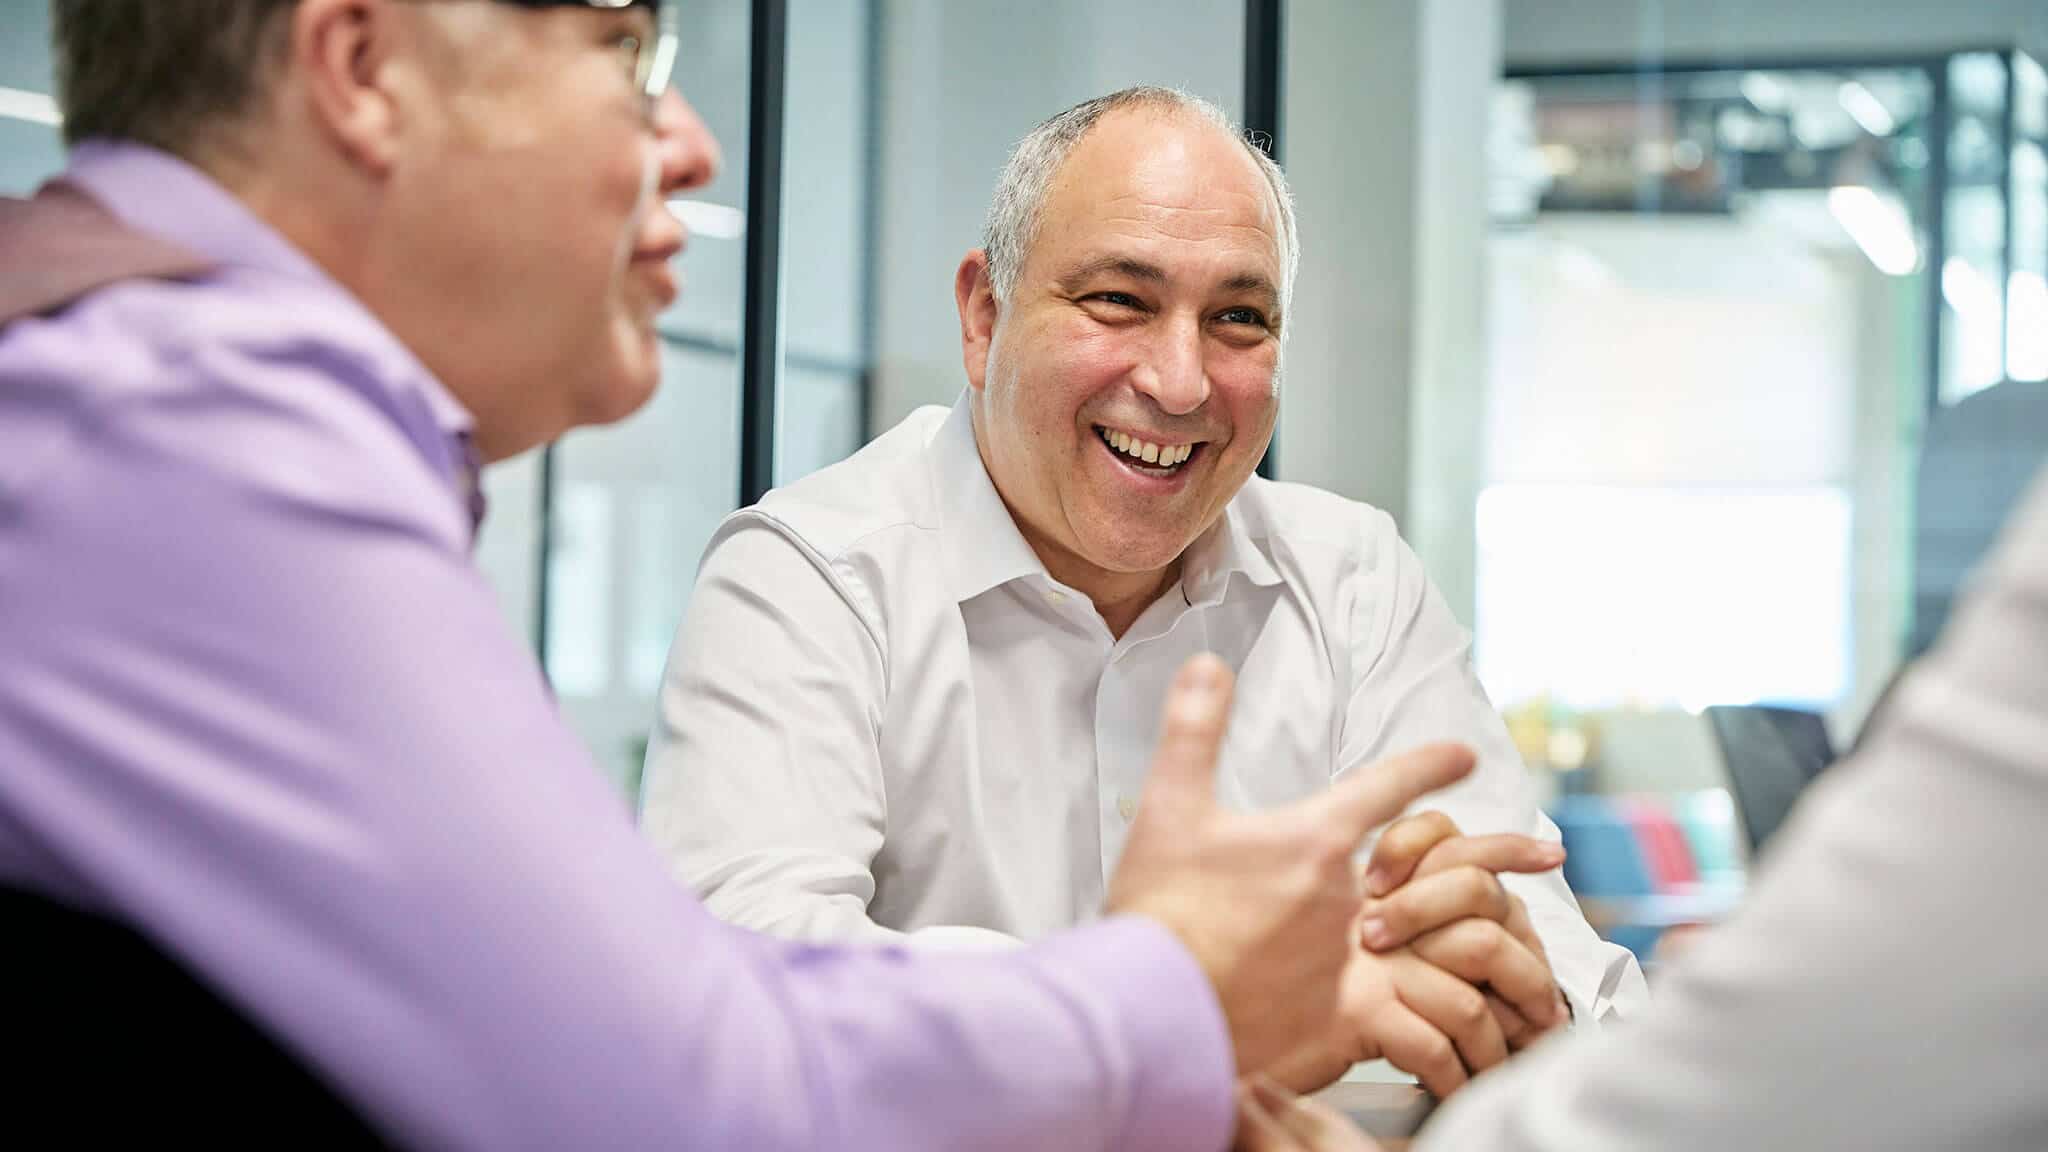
[
  {"x": 1372, "y": 795},
  {"x": 1191, "y": 731}
]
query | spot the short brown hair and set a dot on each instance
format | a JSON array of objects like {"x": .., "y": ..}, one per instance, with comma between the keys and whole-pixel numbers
[{"x": 163, "y": 72}]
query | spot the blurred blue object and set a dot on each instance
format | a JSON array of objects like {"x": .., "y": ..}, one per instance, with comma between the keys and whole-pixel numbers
[
  {"x": 1604, "y": 860},
  {"x": 1605, "y": 865}
]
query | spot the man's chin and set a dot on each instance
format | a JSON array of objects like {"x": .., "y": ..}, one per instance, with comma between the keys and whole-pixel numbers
[
  {"x": 1132, "y": 557},
  {"x": 633, "y": 379},
  {"x": 621, "y": 395},
  {"x": 625, "y": 399}
]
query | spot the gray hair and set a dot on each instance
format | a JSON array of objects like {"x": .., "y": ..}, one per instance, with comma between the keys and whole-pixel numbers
[{"x": 1013, "y": 216}]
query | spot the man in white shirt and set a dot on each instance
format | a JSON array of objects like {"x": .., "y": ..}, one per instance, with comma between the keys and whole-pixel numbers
[
  {"x": 1881, "y": 989},
  {"x": 915, "y": 693}
]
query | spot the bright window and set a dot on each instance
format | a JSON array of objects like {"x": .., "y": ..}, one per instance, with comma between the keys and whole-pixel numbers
[{"x": 1602, "y": 596}]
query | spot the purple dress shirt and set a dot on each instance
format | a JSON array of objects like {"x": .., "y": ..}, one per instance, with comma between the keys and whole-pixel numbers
[{"x": 256, "y": 700}]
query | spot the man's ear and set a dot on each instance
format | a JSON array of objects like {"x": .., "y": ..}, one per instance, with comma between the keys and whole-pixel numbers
[
  {"x": 341, "y": 51},
  {"x": 975, "y": 295}
]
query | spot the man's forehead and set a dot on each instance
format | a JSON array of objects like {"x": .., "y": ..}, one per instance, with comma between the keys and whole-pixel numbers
[
  {"x": 1147, "y": 165},
  {"x": 1160, "y": 195}
]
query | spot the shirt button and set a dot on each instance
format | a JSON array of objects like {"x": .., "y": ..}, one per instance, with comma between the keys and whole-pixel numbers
[
  {"x": 1126, "y": 808},
  {"x": 1055, "y": 596}
]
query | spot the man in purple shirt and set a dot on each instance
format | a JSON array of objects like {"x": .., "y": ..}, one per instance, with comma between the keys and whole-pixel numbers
[{"x": 312, "y": 263}]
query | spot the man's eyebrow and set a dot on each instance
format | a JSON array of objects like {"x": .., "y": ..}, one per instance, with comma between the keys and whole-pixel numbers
[
  {"x": 1114, "y": 266},
  {"x": 1254, "y": 282},
  {"x": 1257, "y": 283}
]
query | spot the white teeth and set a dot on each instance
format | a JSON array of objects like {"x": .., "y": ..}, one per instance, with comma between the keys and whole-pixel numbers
[{"x": 1147, "y": 452}]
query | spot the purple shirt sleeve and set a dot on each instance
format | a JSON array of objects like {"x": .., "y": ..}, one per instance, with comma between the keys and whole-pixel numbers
[{"x": 256, "y": 700}]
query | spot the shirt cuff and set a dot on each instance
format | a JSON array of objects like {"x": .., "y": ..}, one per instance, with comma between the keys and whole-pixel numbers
[
  {"x": 1593, "y": 1008},
  {"x": 1182, "y": 1072}
]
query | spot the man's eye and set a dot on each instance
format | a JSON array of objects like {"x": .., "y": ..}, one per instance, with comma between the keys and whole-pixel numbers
[
  {"x": 1120, "y": 299},
  {"x": 1244, "y": 316}
]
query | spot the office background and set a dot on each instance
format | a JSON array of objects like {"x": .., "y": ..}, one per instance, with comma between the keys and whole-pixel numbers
[{"x": 1695, "y": 346}]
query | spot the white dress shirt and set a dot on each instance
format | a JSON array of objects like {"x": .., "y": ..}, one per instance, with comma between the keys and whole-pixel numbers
[
  {"x": 1883, "y": 988},
  {"x": 882, "y": 716}
]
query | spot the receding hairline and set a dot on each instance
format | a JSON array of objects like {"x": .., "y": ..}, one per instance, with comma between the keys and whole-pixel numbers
[{"x": 1273, "y": 212}]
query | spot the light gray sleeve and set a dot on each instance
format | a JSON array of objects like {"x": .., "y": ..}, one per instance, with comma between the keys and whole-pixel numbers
[
  {"x": 763, "y": 785},
  {"x": 1883, "y": 988}
]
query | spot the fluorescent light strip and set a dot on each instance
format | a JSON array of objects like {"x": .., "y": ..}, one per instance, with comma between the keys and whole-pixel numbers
[
  {"x": 34, "y": 107},
  {"x": 714, "y": 221},
  {"x": 1879, "y": 226},
  {"x": 1763, "y": 92},
  {"x": 1860, "y": 103},
  {"x": 1968, "y": 291}
]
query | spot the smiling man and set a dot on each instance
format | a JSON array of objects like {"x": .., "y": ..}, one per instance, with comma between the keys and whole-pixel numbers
[
  {"x": 294, "y": 844},
  {"x": 914, "y": 693}
]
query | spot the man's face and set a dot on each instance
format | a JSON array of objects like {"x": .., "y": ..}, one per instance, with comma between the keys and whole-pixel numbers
[
  {"x": 1147, "y": 310},
  {"x": 532, "y": 198}
]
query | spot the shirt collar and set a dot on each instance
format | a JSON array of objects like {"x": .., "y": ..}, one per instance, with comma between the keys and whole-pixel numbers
[
  {"x": 985, "y": 550},
  {"x": 1226, "y": 549},
  {"x": 160, "y": 194},
  {"x": 983, "y": 546}
]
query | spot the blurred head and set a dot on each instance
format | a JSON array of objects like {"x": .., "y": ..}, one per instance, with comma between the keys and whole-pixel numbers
[
  {"x": 489, "y": 177},
  {"x": 1122, "y": 329}
]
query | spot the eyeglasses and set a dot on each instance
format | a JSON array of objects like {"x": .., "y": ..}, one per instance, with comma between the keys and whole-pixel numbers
[{"x": 650, "y": 63}]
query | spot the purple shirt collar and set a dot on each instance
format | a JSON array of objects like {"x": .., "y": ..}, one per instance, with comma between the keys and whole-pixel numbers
[{"x": 158, "y": 193}]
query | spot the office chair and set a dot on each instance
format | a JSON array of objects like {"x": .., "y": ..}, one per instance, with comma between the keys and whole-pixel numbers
[
  {"x": 1977, "y": 460},
  {"x": 115, "y": 1040}
]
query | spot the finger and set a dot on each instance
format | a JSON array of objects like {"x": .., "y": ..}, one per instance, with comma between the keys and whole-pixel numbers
[
  {"x": 1197, "y": 712},
  {"x": 1454, "y": 1008},
  {"x": 1522, "y": 928},
  {"x": 1313, "y": 1123},
  {"x": 1514, "y": 1026},
  {"x": 1405, "y": 844},
  {"x": 1482, "y": 952},
  {"x": 1257, "y": 1130},
  {"x": 1505, "y": 852},
  {"x": 1368, "y": 797},
  {"x": 1410, "y": 1043},
  {"x": 1428, "y": 903}
]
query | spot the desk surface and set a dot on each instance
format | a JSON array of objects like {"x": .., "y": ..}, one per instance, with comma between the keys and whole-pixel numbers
[{"x": 1389, "y": 1113}]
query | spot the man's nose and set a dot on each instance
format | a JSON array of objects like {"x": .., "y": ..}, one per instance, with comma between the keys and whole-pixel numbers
[{"x": 1174, "y": 374}]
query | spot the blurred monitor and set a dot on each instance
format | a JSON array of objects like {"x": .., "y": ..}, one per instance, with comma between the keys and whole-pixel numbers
[{"x": 1772, "y": 755}]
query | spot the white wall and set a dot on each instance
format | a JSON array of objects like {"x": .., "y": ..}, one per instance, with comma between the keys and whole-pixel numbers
[
  {"x": 1461, "y": 65},
  {"x": 1669, "y": 352},
  {"x": 1350, "y": 139},
  {"x": 1387, "y": 109}
]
